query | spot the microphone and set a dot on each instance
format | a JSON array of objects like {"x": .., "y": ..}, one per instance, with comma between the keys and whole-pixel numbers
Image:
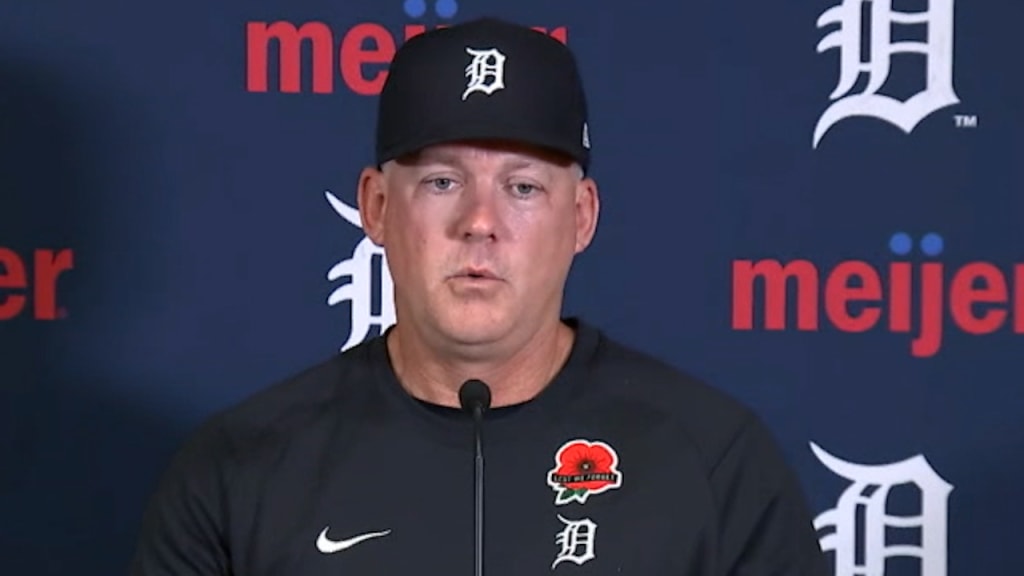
[{"x": 475, "y": 397}]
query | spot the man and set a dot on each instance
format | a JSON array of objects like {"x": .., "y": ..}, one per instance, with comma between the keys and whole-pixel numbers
[{"x": 600, "y": 459}]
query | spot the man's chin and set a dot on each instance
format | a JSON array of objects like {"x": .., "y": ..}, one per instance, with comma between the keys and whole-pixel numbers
[{"x": 475, "y": 328}]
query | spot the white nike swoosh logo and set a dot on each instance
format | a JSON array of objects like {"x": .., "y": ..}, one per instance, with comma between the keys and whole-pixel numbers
[{"x": 328, "y": 546}]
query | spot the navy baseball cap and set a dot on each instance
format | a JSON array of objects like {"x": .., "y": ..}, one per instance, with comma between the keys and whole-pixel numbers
[{"x": 485, "y": 79}]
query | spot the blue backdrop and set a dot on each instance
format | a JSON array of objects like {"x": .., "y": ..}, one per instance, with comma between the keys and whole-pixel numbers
[{"x": 813, "y": 205}]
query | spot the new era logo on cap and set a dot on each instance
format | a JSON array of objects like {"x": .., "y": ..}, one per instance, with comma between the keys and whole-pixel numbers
[{"x": 483, "y": 79}]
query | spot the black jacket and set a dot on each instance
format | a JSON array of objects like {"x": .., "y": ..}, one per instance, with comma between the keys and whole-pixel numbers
[{"x": 621, "y": 466}]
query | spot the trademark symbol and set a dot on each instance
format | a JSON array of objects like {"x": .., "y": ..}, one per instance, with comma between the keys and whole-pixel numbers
[{"x": 965, "y": 120}]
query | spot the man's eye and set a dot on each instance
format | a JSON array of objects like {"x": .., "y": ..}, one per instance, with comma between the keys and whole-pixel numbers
[
  {"x": 441, "y": 183},
  {"x": 523, "y": 189}
]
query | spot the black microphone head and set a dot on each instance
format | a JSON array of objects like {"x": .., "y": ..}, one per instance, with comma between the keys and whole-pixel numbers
[{"x": 473, "y": 394}]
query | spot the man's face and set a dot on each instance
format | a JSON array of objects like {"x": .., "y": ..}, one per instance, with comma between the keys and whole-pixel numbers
[{"x": 479, "y": 238}]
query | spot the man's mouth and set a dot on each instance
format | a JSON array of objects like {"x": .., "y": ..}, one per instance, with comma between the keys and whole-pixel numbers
[{"x": 477, "y": 274}]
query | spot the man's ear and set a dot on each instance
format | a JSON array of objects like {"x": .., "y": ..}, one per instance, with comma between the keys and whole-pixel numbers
[
  {"x": 588, "y": 208},
  {"x": 372, "y": 198}
]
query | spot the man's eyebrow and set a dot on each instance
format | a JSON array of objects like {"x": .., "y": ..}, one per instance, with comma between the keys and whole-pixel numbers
[{"x": 518, "y": 163}]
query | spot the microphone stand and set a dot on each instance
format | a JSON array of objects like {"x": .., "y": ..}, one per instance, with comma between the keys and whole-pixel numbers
[
  {"x": 475, "y": 397},
  {"x": 478, "y": 492}
]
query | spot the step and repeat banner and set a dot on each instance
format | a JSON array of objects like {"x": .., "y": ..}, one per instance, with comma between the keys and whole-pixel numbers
[{"x": 815, "y": 206}]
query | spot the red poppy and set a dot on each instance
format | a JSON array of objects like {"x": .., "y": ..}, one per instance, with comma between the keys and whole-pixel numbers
[{"x": 584, "y": 466}]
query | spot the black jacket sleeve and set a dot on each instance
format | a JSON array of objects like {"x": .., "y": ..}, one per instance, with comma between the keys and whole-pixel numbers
[
  {"x": 766, "y": 528},
  {"x": 183, "y": 528}
]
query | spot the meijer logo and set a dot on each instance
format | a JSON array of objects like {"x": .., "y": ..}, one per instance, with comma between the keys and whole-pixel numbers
[
  {"x": 980, "y": 297},
  {"x": 360, "y": 54},
  {"x": 20, "y": 283}
]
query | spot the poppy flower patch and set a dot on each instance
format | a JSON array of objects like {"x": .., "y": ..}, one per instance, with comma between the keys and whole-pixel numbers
[{"x": 583, "y": 468}]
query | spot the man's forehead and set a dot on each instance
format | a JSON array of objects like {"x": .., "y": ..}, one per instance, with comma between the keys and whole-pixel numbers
[{"x": 498, "y": 152}]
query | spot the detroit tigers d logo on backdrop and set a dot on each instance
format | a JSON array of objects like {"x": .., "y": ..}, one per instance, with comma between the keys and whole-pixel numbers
[
  {"x": 358, "y": 271},
  {"x": 862, "y": 531},
  {"x": 937, "y": 49}
]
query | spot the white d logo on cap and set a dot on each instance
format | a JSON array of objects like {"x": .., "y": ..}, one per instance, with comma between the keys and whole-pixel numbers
[{"x": 486, "y": 71}]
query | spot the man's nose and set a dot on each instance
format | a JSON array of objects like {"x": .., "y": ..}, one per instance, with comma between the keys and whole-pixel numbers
[{"x": 479, "y": 216}]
